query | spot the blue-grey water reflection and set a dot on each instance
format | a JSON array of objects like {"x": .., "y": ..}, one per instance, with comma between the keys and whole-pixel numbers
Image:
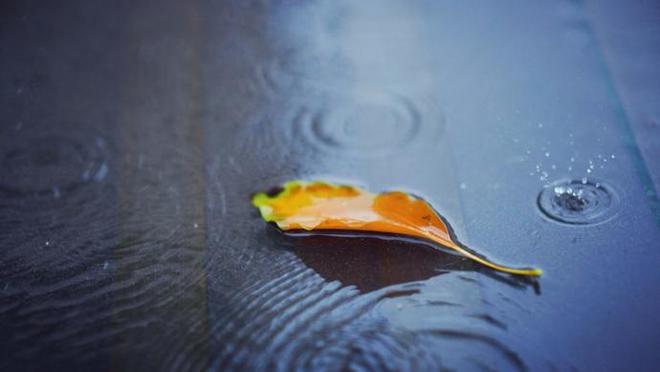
[{"x": 134, "y": 134}]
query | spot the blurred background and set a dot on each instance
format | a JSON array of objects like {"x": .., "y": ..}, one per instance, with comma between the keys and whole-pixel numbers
[{"x": 133, "y": 134}]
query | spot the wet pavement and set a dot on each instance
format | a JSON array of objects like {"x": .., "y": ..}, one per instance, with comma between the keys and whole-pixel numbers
[{"x": 134, "y": 134}]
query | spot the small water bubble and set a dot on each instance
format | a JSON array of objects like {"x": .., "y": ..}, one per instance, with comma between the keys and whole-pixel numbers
[
  {"x": 572, "y": 159},
  {"x": 589, "y": 170},
  {"x": 105, "y": 265},
  {"x": 553, "y": 166},
  {"x": 56, "y": 192},
  {"x": 47, "y": 243},
  {"x": 463, "y": 186},
  {"x": 570, "y": 168},
  {"x": 613, "y": 157},
  {"x": 195, "y": 225},
  {"x": 584, "y": 180},
  {"x": 540, "y": 125},
  {"x": 547, "y": 154}
]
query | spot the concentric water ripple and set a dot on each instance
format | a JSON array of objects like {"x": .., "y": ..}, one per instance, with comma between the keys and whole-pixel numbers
[
  {"x": 365, "y": 125},
  {"x": 51, "y": 165},
  {"x": 289, "y": 71},
  {"x": 579, "y": 202}
]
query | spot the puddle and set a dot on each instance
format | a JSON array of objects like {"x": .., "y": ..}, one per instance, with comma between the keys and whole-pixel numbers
[{"x": 143, "y": 253}]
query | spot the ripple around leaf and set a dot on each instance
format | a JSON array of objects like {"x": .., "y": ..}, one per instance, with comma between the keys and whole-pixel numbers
[
  {"x": 298, "y": 321},
  {"x": 312, "y": 313}
]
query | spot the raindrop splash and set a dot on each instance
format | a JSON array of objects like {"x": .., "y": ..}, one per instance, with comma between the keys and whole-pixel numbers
[{"x": 578, "y": 202}]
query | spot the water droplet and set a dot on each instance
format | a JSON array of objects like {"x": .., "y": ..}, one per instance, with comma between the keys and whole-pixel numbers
[
  {"x": 572, "y": 160},
  {"x": 547, "y": 154},
  {"x": 613, "y": 157},
  {"x": 463, "y": 186},
  {"x": 101, "y": 173},
  {"x": 578, "y": 202},
  {"x": 589, "y": 170},
  {"x": 540, "y": 125},
  {"x": 584, "y": 180},
  {"x": 47, "y": 243}
]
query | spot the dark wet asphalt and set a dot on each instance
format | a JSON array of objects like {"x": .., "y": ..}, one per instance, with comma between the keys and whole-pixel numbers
[{"x": 134, "y": 133}]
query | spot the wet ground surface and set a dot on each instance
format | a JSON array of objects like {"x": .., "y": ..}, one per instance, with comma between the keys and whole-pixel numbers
[{"x": 134, "y": 134}]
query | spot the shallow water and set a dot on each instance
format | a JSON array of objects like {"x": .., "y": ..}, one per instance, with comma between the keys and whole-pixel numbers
[{"x": 130, "y": 149}]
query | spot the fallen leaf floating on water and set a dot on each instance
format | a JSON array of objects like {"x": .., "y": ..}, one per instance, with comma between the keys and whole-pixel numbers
[{"x": 324, "y": 206}]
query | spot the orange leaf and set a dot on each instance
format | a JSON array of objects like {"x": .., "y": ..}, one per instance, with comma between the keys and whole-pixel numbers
[{"x": 323, "y": 206}]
